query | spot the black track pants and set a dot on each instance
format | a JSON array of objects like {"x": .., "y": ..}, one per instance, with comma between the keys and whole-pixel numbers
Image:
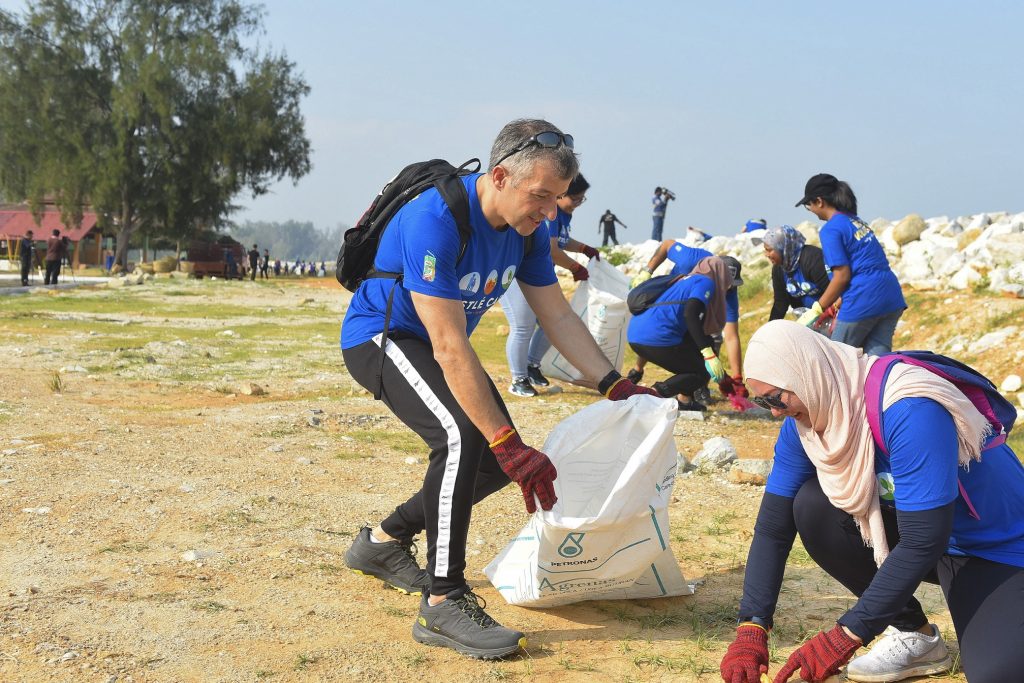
[
  {"x": 462, "y": 469},
  {"x": 682, "y": 359},
  {"x": 985, "y": 599}
]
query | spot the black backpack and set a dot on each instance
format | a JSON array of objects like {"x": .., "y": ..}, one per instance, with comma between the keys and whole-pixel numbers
[
  {"x": 644, "y": 295},
  {"x": 359, "y": 245}
]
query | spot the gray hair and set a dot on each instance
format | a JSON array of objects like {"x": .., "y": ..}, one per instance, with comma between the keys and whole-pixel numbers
[{"x": 521, "y": 164}]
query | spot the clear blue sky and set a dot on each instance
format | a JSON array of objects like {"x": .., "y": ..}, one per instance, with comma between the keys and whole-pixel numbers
[{"x": 732, "y": 105}]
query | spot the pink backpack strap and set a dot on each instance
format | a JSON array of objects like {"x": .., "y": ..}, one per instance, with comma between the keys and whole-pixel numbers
[{"x": 874, "y": 387}]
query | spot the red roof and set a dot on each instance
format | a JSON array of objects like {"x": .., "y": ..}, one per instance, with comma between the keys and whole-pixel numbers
[{"x": 14, "y": 223}]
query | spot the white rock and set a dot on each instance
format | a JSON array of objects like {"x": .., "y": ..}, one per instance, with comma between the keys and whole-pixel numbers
[
  {"x": 37, "y": 511},
  {"x": 964, "y": 278},
  {"x": 993, "y": 339},
  {"x": 73, "y": 368},
  {"x": 303, "y": 461},
  {"x": 276, "y": 448},
  {"x": 717, "y": 453},
  {"x": 227, "y": 333},
  {"x": 908, "y": 229},
  {"x": 1011, "y": 383},
  {"x": 187, "y": 488},
  {"x": 412, "y": 461},
  {"x": 754, "y": 466},
  {"x": 195, "y": 555}
]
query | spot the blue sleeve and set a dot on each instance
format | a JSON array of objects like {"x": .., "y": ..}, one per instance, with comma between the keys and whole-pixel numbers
[
  {"x": 834, "y": 246},
  {"x": 429, "y": 245},
  {"x": 537, "y": 268},
  {"x": 732, "y": 306},
  {"x": 791, "y": 466},
  {"x": 921, "y": 437}
]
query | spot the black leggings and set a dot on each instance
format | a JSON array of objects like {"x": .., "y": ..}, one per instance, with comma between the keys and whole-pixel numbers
[
  {"x": 461, "y": 471},
  {"x": 985, "y": 599},
  {"x": 683, "y": 359}
]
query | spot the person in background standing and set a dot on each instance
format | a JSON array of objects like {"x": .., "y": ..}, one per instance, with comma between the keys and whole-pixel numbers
[
  {"x": 26, "y": 250},
  {"x": 54, "y": 257},
  {"x": 265, "y": 264},
  {"x": 277, "y": 267},
  {"x": 607, "y": 224},
  {"x": 254, "y": 260},
  {"x": 872, "y": 299},
  {"x": 660, "y": 202}
]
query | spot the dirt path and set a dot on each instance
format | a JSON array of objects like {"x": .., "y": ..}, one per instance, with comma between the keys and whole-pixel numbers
[{"x": 158, "y": 524}]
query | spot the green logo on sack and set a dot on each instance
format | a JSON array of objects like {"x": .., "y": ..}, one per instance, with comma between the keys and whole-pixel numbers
[{"x": 572, "y": 546}]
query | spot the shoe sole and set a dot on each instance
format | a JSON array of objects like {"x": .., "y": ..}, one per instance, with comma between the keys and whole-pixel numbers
[
  {"x": 400, "y": 589},
  {"x": 425, "y": 637},
  {"x": 938, "y": 667}
]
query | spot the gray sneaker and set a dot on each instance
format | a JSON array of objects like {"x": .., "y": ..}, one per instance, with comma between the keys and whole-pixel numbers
[
  {"x": 393, "y": 562},
  {"x": 899, "y": 655},
  {"x": 461, "y": 623},
  {"x": 521, "y": 387}
]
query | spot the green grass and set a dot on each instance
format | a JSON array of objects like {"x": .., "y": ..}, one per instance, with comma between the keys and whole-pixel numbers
[{"x": 303, "y": 660}]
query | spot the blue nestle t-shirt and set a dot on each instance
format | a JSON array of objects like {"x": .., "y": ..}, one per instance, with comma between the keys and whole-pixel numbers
[
  {"x": 422, "y": 242},
  {"x": 684, "y": 259},
  {"x": 797, "y": 285},
  {"x": 874, "y": 289},
  {"x": 665, "y": 325},
  {"x": 557, "y": 229},
  {"x": 921, "y": 473}
]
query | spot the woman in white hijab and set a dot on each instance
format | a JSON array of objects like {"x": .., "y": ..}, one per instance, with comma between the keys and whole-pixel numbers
[{"x": 935, "y": 509}]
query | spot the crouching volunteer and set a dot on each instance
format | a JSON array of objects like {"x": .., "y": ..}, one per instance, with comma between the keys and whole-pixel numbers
[
  {"x": 675, "y": 332},
  {"x": 434, "y": 382},
  {"x": 684, "y": 259},
  {"x": 799, "y": 273},
  {"x": 934, "y": 508}
]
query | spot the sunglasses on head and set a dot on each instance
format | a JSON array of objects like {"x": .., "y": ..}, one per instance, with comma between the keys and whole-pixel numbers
[
  {"x": 547, "y": 138},
  {"x": 769, "y": 402}
]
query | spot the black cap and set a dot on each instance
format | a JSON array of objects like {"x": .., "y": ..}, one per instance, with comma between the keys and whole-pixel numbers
[
  {"x": 821, "y": 185},
  {"x": 734, "y": 267}
]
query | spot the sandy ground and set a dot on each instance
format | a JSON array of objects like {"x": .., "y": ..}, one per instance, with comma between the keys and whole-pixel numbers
[{"x": 158, "y": 524}]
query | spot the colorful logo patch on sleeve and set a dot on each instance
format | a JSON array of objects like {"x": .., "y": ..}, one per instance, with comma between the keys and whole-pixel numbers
[{"x": 429, "y": 267}]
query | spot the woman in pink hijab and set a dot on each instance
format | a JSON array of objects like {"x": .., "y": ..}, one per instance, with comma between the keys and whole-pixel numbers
[{"x": 881, "y": 524}]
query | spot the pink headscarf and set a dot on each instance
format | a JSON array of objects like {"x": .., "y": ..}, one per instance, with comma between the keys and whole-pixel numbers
[
  {"x": 714, "y": 314},
  {"x": 829, "y": 378}
]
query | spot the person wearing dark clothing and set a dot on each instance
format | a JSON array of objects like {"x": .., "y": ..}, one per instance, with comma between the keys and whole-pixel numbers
[
  {"x": 27, "y": 251},
  {"x": 799, "y": 273},
  {"x": 54, "y": 257},
  {"x": 277, "y": 267},
  {"x": 607, "y": 224},
  {"x": 230, "y": 267},
  {"x": 67, "y": 250},
  {"x": 265, "y": 264},
  {"x": 254, "y": 261}
]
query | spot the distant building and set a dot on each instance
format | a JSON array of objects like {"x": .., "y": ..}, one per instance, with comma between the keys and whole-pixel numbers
[{"x": 17, "y": 219}]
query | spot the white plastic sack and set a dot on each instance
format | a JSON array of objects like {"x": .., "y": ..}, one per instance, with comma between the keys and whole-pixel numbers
[
  {"x": 601, "y": 303},
  {"x": 607, "y": 536}
]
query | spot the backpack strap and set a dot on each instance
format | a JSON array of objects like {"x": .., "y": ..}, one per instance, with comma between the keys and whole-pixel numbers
[{"x": 874, "y": 388}]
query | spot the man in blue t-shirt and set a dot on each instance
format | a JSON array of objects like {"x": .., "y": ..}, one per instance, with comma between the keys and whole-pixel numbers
[
  {"x": 431, "y": 378},
  {"x": 660, "y": 202}
]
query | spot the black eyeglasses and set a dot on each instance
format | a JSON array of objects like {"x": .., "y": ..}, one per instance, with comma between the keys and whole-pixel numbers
[
  {"x": 769, "y": 402},
  {"x": 548, "y": 138}
]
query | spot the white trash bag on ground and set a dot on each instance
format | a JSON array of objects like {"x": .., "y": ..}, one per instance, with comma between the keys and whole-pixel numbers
[
  {"x": 607, "y": 537},
  {"x": 601, "y": 303}
]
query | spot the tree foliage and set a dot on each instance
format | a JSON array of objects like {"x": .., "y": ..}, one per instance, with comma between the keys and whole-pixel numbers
[{"x": 155, "y": 112}]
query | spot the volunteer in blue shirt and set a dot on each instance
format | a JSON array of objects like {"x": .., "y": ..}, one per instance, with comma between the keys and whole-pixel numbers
[
  {"x": 872, "y": 298},
  {"x": 433, "y": 381},
  {"x": 684, "y": 259},
  {"x": 934, "y": 509},
  {"x": 799, "y": 273},
  {"x": 675, "y": 332},
  {"x": 527, "y": 343}
]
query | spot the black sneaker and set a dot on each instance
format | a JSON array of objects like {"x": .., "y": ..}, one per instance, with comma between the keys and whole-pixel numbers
[
  {"x": 635, "y": 376},
  {"x": 522, "y": 387},
  {"x": 393, "y": 562},
  {"x": 461, "y": 623},
  {"x": 536, "y": 378},
  {"x": 691, "y": 405},
  {"x": 702, "y": 395}
]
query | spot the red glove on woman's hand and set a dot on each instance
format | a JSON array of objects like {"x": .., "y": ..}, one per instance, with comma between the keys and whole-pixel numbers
[
  {"x": 738, "y": 386},
  {"x": 623, "y": 389},
  {"x": 526, "y": 466},
  {"x": 820, "y": 657},
  {"x": 590, "y": 252},
  {"x": 580, "y": 273},
  {"x": 747, "y": 657}
]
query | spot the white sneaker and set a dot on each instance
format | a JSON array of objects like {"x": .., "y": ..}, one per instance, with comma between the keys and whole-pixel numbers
[{"x": 899, "y": 655}]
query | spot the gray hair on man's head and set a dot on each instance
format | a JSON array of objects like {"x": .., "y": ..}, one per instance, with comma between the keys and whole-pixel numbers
[{"x": 520, "y": 164}]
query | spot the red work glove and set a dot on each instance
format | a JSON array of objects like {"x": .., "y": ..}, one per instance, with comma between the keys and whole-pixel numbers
[
  {"x": 590, "y": 252},
  {"x": 747, "y": 657},
  {"x": 580, "y": 273},
  {"x": 738, "y": 387},
  {"x": 623, "y": 389},
  {"x": 526, "y": 466},
  {"x": 820, "y": 657},
  {"x": 726, "y": 386}
]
